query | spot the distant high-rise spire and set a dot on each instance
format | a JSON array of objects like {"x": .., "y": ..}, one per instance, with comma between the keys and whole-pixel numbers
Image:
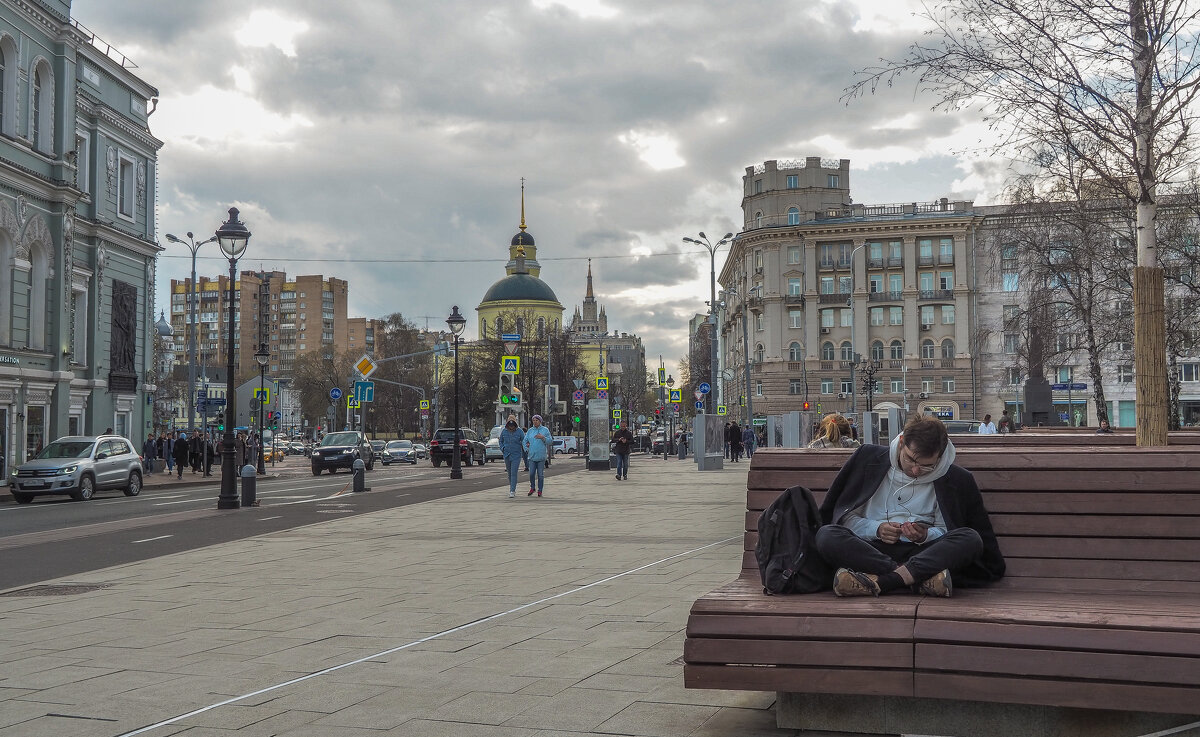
[
  {"x": 589, "y": 294},
  {"x": 522, "y": 204}
]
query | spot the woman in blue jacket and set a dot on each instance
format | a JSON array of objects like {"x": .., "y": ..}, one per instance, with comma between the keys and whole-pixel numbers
[
  {"x": 538, "y": 442},
  {"x": 512, "y": 445}
]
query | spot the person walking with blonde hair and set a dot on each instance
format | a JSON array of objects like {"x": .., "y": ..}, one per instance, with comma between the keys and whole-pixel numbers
[{"x": 835, "y": 433}]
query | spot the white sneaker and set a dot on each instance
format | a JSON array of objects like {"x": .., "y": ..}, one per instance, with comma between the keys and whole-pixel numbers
[{"x": 512, "y": 495}]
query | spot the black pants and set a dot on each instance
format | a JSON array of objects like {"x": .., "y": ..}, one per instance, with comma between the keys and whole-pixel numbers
[{"x": 955, "y": 550}]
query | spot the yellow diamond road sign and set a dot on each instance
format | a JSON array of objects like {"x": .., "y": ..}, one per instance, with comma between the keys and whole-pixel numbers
[
  {"x": 510, "y": 364},
  {"x": 365, "y": 366}
]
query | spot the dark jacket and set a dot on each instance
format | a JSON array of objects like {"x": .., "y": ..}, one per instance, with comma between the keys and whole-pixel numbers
[
  {"x": 623, "y": 448},
  {"x": 958, "y": 499},
  {"x": 180, "y": 451}
]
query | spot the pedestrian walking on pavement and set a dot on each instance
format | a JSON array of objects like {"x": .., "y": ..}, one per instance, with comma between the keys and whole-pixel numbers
[
  {"x": 538, "y": 442},
  {"x": 512, "y": 445},
  {"x": 149, "y": 453},
  {"x": 623, "y": 444},
  {"x": 168, "y": 449},
  {"x": 181, "y": 453},
  {"x": 749, "y": 439}
]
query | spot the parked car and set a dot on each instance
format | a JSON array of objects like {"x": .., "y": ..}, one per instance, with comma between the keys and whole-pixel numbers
[
  {"x": 273, "y": 452},
  {"x": 657, "y": 443},
  {"x": 341, "y": 450},
  {"x": 296, "y": 449},
  {"x": 961, "y": 426},
  {"x": 471, "y": 448},
  {"x": 398, "y": 451},
  {"x": 78, "y": 466},
  {"x": 377, "y": 446},
  {"x": 566, "y": 444},
  {"x": 422, "y": 451},
  {"x": 491, "y": 450}
]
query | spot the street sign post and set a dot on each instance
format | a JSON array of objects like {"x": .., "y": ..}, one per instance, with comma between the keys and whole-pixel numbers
[
  {"x": 262, "y": 395},
  {"x": 720, "y": 409},
  {"x": 577, "y": 397},
  {"x": 699, "y": 405},
  {"x": 578, "y": 383},
  {"x": 602, "y": 383},
  {"x": 335, "y": 393},
  {"x": 364, "y": 391},
  {"x": 602, "y": 394},
  {"x": 424, "y": 404},
  {"x": 510, "y": 365},
  {"x": 676, "y": 396},
  {"x": 704, "y": 387},
  {"x": 366, "y": 366}
]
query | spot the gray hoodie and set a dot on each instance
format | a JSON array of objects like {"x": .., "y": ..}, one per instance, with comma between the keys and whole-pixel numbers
[{"x": 901, "y": 498}]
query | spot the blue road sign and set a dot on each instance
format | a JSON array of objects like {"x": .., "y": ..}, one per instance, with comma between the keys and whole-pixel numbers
[
  {"x": 335, "y": 393},
  {"x": 202, "y": 393},
  {"x": 602, "y": 394},
  {"x": 216, "y": 402},
  {"x": 704, "y": 387},
  {"x": 699, "y": 405},
  {"x": 364, "y": 391},
  {"x": 510, "y": 337}
]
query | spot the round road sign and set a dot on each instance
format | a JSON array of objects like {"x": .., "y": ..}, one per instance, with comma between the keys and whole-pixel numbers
[{"x": 335, "y": 393}]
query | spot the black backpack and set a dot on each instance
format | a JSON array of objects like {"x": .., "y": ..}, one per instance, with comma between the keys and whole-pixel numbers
[{"x": 787, "y": 545}]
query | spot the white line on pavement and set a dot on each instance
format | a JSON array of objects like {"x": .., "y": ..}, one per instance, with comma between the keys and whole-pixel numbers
[
  {"x": 152, "y": 539},
  {"x": 407, "y": 645},
  {"x": 264, "y": 519}
]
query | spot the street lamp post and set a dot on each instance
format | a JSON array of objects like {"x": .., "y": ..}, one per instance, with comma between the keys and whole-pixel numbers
[
  {"x": 194, "y": 297},
  {"x": 669, "y": 443},
  {"x": 712, "y": 305},
  {"x": 853, "y": 327},
  {"x": 261, "y": 356},
  {"x": 746, "y": 347},
  {"x": 868, "y": 368},
  {"x": 456, "y": 322},
  {"x": 232, "y": 236}
]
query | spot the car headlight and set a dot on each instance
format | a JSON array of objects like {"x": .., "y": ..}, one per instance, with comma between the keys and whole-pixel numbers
[{"x": 65, "y": 470}]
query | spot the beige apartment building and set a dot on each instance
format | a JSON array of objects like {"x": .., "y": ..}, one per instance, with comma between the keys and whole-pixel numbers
[{"x": 821, "y": 292}]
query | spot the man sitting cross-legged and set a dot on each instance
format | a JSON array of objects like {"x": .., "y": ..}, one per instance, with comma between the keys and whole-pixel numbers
[{"x": 905, "y": 517}]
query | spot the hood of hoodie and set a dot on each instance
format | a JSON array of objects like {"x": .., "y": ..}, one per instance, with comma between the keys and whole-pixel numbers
[{"x": 897, "y": 476}]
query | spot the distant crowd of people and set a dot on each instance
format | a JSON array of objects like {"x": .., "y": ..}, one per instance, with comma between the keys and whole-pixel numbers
[{"x": 177, "y": 450}]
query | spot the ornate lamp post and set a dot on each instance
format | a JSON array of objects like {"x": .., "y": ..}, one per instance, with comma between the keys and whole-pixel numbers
[
  {"x": 262, "y": 355},
  {"x": 712, "y": 307},
  {"x": 456, "y": 322},
  {"x": 868, "y": 368},
  {"x": 232, "y": 236},
  {"x": 193, "y": 297}
]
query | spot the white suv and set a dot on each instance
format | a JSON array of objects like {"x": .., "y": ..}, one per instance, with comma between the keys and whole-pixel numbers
[{"x": 78, "y": 466}]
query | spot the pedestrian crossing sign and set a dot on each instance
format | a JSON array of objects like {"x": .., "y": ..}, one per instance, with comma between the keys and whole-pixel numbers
[
  {"x": 602, "y": 383},
  {"x": 351, "y": 402},
  {"x": 424, "y": 404},
  {"x": 720, "y": 409},
  {"x": 676, "y": 396},
  {"x": 263, "y": 395},
  {"x": 616, "y": 414},
  {"x": 510, "y": 364}
]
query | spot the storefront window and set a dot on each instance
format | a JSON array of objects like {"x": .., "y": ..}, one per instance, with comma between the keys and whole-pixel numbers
[{"x": 35, "y": 430}]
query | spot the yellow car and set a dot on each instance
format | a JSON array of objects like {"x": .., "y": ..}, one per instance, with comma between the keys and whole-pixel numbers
[{"x": 272, "y": 452}]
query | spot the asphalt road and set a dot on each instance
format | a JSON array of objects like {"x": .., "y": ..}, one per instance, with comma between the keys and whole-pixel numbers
[{"x": 55, "y": 537}]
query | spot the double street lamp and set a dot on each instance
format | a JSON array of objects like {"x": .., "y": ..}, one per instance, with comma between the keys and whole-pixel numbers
[
  {"x": 262, "y": 355},
  {"x": 194, "y": 298},
  {"x": 232, "y": 236},
  {"x": 868, "y": 367},
  {"x": 712, "y": 306},
  {"x": 456, "y": 322}
]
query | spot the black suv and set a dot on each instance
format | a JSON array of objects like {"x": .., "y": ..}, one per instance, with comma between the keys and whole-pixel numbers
[
  {"x": 341, "y": 450},
  {"x": 442, "y": 446}
]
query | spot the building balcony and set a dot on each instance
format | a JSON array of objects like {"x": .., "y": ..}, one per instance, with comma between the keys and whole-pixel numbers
[
  {"x": 835, "y": 298},
  {"x": 826, "y": 263},
  {"x": 936, "y": 294},
  {"x": 885, "y": 297},
  {"x": 945, "y": 259},
  {"x": 875, "y": 263},
  {"x": 895, "y": 261},
  {"x": 794, "y": 299}
]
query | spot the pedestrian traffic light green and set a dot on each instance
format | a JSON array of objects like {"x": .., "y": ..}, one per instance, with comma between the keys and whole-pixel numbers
[{"x": 508, "y": 391}]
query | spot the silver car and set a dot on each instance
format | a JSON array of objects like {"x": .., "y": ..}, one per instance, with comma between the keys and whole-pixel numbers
[
  {"x": 79, "y": 466},
  {"x": 398, "y": 451}
]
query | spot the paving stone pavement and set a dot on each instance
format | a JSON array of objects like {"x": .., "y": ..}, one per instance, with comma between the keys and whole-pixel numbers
[{"x": 474, "y": 615}]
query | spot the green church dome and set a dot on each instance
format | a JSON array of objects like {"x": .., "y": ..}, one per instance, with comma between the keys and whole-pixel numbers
[{"x": 520, "y": 288}]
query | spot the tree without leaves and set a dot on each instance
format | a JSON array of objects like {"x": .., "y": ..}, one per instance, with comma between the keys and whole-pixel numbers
[{"x": 1110, "y": 84}]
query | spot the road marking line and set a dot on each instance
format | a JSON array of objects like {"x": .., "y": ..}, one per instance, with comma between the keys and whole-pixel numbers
[
  {"x": 264, "y": 519},
  {"x": 423, "y": 640},
  {"x": 152, "y": 539}
]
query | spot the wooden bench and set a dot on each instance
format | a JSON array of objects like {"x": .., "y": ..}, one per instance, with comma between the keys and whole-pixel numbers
[
  {"x": 1036, "y": 437},
  {"x": 1095, "y": 629}
]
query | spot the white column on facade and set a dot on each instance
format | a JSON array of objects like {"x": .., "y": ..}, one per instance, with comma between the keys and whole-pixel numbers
[
  {"x": 861, "y": 318},
  {"x": 912, "y": 312}
]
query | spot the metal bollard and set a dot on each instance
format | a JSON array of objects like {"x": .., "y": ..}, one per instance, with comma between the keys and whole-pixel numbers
[
  {"x": 360, "y": 475},
  {"x": 249, "y": 485},
  {"x": 682, "y": 450}
]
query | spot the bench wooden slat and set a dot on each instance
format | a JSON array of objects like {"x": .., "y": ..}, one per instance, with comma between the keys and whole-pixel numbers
[
  {"x": 1099, "y": 637},
  {"x": 813, "y": 653},
  {"x": 807, "y": 680},
  {"x": 1101, "y": 548},
  {"x": 1064, "y": 693},
  {"x": 1058, "y": 663},
  {"x": 795, "y": 625}
]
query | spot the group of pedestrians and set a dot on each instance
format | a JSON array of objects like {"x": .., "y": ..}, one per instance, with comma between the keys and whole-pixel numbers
[
  {"x": 177, "y": 450},
  {"x": 739, "y": 440},
  {"x": 531, "y": 447}
]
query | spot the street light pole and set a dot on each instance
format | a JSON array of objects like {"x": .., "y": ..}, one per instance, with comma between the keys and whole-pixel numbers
[
  {"x": 194, "y": 297},
  {"x": 261, "y": 356},
  {"x": 232, "y": 237},
  {"x": 456, "y": 322},
  {"x": 712, "y": 306},
  {"x": 853, "y": 326}
]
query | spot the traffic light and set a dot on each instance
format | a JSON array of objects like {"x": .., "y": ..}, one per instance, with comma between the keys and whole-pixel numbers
[
  {"x": 576, "y": 419},
  {"x": 221, "y": 421},
  {"x": 806, "y": 406},
  {"x": 508, "y": 390}
]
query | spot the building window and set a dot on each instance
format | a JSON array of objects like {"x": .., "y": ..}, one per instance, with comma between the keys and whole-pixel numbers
[
  {"x": 827, "y": 285},
  {"x": 1066, "y": 374},
  {"x": 827, "y": 386},
  {"x": 847, "y": 318},
  {"x": 847, "y": 387},
  {"x": 125, "y": 195},
  {"x": 795, "y": 386},
  {"x": 826, "y": 318},
  {"x": 896, "y": 283},
  {"x": 827, "y": 351},
  {"x": 793, "y": 181},
  {"x": 925, "y": 251},
  {"x": 876, "y": 315},
  {"x": 795, "y": 288},
  {"x": 831, "y": 181},
  {"x": 499, "y": 327},
  {"x": 826, "y": 255},
  {"x": 897, "y": 349},
  {"x": 926, "y": 314},
  {"x": 925, "y": 281},
  {"x": 758, "y": 322},
  {"x": 1014, "y": 376},
  {"x": 875, "y": 252},
  {"x": 947, "y": 348},
  {"x": 758, "y": 260},
  {"x": 758, "y": 388},
  {"x": 541, "y": 327},
  {"x": 1125, "y": 374},
  {"x": 758, "y": 217},
  {"x": 927, "y": 384},
  {"x": 928, "y": 350},
  {"x": 946, "y": 251},
  {"x": 877, "y": 350},
  {"x": 847, "y": 351},
  {"x": 797, "y": 318},
  {"x": 1009, "y": 281},
  {"x": 947, "y": 314},
  {"x": 896, "y": 254},
  {"x": 757, "y": 186},
  {"x": 793, "y": 254},
  {"x": 946, "y": 280},
  {"x": 1011, "y": 342},
  {"x": 795, "y": 352},
  {"x": 1189, "y": 372},
  {"x": 83, "y": 172},
  {"x": 948, "y": 384},
  {"x": 896, "y": 315},
  {"x": 793, "y": 216},
  {"x": 758, "y": 353},
  {"x": 875, "y": 283}
]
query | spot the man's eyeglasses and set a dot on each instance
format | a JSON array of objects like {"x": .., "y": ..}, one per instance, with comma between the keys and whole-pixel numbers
[{"x": 907, "y": 461}]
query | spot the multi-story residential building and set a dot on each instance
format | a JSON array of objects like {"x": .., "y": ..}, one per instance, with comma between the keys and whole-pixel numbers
[
  {"x": 827, "y": 289},
  {"x": 292, "y": 316},
  {"x": 77, "y": 248}
]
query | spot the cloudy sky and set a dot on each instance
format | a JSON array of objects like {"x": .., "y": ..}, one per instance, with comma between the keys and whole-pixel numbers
[{"x": 383, "y": 141}]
